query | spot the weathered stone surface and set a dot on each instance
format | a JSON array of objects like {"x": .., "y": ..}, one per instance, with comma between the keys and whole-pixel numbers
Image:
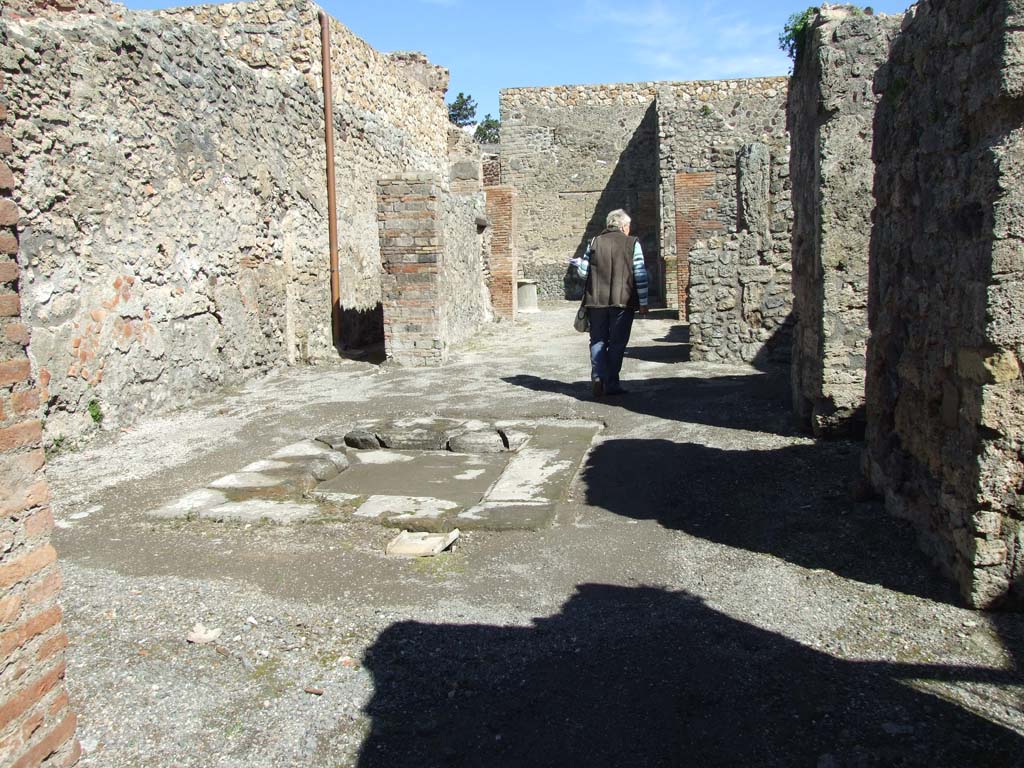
[
  {"x": 194, "y": 213},
  {"x": 503, "y": 516},
  {"x": 831, "y": 111},
  {"x": 334, "y": 441},
  {"x": 189, "y": 506},
  {"x": 261, "y": 511},
  {"x": 482, "y": 441},
  {"x": 424, "y": 434},
  {"x": 301, "y": 449},
  {"x": 439, "y": 491},
  {"x": 944, "y": 392},
  {"x": 739, "y": 301},
  {"x": 362, "y": 439},
  {"x": 725, "y": 207},
  {"x": 753, "y": 172},
  {"x": 414, "y": 439},
  {"x": 461, "y": 479}
]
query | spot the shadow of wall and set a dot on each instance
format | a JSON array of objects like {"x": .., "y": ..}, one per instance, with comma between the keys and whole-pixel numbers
[
  {"x": 649, "y": 677},
  {"x": 633, "y": 186}
]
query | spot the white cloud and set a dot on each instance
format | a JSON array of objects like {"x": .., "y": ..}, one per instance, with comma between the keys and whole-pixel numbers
[{"x": 677, "y": 40}]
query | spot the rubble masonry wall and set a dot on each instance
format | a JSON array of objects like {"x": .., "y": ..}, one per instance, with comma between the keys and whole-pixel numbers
[
  {"x": 944, "y": 390},
  {"x": 670, "y": 154},
  {"x": 174, "y": 231},
  {"x": 725, "y": 214},
  {"x": 573, "y": 153},
  {"x": 831, "y": 115}
]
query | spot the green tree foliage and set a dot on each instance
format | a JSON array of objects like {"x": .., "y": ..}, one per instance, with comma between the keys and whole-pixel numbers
[
  {"x": 794, "y": 34},
  {"x": 462, "y": 111},
  {"x": 488, "y": 131}
]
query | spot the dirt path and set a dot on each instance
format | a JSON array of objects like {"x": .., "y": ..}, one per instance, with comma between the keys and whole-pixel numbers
[{"x": 709, "y": 594}]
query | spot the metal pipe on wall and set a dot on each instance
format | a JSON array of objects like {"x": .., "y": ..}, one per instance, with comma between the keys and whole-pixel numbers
[{"x": 332, "y": 203}]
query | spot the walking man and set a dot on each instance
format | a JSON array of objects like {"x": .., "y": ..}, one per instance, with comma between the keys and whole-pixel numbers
[{"x": 616, "y": 287}]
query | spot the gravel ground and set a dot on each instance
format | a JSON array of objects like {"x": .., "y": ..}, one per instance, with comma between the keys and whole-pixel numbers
[{"x": 709, "y": 594}]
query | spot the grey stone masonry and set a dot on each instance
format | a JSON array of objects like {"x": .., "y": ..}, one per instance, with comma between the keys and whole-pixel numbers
[
  {"x": 725, "y": 215},
  {"x": 573, "y": 153},
  {"x": 695, "y": 164},
  {"x": 945, "y": 398},
  {"x": 831, "y": 114},
  {"x": 174, "y": 208}
]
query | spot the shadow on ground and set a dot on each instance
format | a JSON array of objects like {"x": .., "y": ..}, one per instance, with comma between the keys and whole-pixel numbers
[
  {"x": 793, "y": 503},
  {"x": 644, "y": 677},
  {"x": 757, "y": 402}
]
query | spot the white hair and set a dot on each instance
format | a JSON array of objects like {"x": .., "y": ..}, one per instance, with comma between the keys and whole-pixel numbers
[{"x": 617, "y": 219}]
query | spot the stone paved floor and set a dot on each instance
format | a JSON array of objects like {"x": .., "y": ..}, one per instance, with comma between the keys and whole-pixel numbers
[{"x": 707, "y": 593}]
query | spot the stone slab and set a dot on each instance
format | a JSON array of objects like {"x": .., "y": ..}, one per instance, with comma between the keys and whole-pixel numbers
[
  {"x": 419, "y": 544},
  {"x": 261, "y": 511},
  {"x": 543, "y": 470},
  {"x": 246, "y": 480},
  {"x": 423, "y": 434},
  {"x": 302, "y": 448},
  {"x": 506, "y": 516},
  {"x": 477, "y": 441},
  {"x": 413, "y": 513},
  {"x": 190, "y": 505},
  {"x": 459, "y": 478}
]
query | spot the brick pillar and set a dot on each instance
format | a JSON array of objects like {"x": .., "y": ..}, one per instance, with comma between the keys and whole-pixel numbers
[
  {"x": 693, "y": 204},
  {"x": 411, "y": 230},
  {"x": 502, "y": 285},
  {"x": 36, "y": 725}
]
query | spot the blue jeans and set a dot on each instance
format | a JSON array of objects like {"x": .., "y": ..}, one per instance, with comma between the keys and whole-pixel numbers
[{"x": 609, "y": 335}]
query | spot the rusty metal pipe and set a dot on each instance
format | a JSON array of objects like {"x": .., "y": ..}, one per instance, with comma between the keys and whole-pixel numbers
[{"x": 332, "y": 200}]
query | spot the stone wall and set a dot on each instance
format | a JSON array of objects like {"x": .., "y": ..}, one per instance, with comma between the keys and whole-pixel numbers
[
  {"x": 465, "y": 161},
  {"x": 572, "y": 154},
  {"x": 724, "y": 166},
  {"x": 689, "y": 162},
  {"x": 37, "y": 726},
  {"x": 464, "y": 296},
  {"x": 944, "y": 387},
  {"x": 831, "y": 114},
  {"x": 174, "y": 204}
]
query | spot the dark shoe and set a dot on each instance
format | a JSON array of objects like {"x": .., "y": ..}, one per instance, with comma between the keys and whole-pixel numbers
[
  {"x": 597, "y": 387},
  {"x": 617, "y": 391}
]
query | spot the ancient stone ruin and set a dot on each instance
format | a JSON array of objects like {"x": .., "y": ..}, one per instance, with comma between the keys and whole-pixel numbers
[
  {"x": 168, "y": 226},
  {"x": 703, "y": 170}
]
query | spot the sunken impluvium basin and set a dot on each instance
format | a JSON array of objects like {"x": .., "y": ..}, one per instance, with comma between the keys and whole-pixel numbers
[{"x": 420, "y": 474}]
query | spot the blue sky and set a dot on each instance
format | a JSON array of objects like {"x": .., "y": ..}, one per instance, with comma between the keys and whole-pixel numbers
[{"x": 493, "y": 45}]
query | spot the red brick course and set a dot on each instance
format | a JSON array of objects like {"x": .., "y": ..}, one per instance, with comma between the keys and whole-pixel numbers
[
  {"x": 37, "y": 725},
  {"x": 692, "y": 205},
  {"x": 503, "y": 268},
  {"x": 412, "y": 247}
]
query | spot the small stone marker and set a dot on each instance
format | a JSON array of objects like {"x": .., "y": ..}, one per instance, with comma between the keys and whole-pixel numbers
[
  {"x": 200, "y": 635},
  {"x": 480, "y": 441},
  {"x": 419, "y": 544},
  {"x": 362, "y": 439}
]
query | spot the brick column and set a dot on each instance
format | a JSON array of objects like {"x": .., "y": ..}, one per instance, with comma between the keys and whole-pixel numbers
[
  {"x": 692, "y": 223},
  {"x": 502, "y": 284},
  {"x": 36, "y": 725},
  {"x": 412, "y": 247}
]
